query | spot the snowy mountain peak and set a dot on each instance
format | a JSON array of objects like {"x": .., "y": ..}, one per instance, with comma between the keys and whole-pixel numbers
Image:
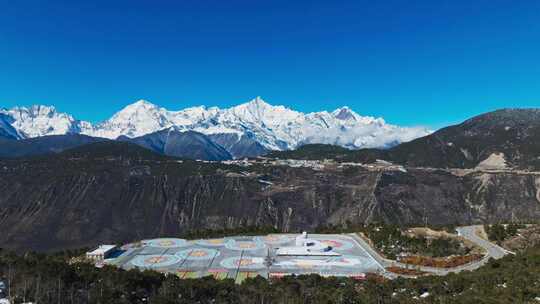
[
  {"x": 142, "y": 103},
  {"x": 345, "y": 113},
  {"x": 136, "y": 119},
  {"x": 258, "y": 102},
  {"x": 39, "y": 120},
  {"x": 259, "y": 115},
  {"x": 272, "y": 127},
  {"x": 137, "y": 107},
  {"x": 255, "y": 105},
  {"x": 36, "y": 111}
]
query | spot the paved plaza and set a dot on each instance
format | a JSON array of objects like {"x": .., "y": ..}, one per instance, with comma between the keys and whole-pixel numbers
[{"x": 242, "y": 257}]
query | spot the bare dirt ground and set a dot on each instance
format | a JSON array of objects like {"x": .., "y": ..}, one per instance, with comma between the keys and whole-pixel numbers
[
  {"x": 430, "y": 233},
  {"x": 445, "y": 262},
  {"x": 476, "y": 252},
  {"x": 427, "y": 232},
  {"x": 526, "y": 238}
]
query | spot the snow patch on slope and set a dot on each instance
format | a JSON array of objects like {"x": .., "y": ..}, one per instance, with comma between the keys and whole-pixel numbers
[
  {"x": 6, "y": 130},
  {"x": 40, "y": 120},
  {"x": 493, "y": 162}
]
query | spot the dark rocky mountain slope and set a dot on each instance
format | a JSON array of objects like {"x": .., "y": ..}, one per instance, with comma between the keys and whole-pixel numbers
[
  {"x": 44, "y": 145},
  {"x": 188, "y": 144},
  {"x": 513, "y": 134},
  {"x": 239, "y": 147},
  {"x": 114, "y": 191},
  {"x": 6, "y": 130}
]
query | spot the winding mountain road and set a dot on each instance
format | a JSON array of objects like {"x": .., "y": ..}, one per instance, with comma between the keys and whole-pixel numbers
[
  {"x": 470, "y": 233},
  {"x": 467, "y": 232}
]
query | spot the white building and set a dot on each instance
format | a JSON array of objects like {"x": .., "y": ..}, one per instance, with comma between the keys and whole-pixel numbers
[
  {"x": 305, "y": 246},
  {"x": 101, "y": 253}
]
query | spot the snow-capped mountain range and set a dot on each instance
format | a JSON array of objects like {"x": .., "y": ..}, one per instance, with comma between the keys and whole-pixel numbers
[{"x": 273, "y": 127}]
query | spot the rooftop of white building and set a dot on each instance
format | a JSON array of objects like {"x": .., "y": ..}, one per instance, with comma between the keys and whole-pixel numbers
[{"x": 102, "y": 249}]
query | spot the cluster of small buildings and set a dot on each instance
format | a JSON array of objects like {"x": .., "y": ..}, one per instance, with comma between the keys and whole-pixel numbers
[
  {"x": 382, "y": 165},
  {"x": 293, "y": 163},
  {"x": 318, "y": 165}
]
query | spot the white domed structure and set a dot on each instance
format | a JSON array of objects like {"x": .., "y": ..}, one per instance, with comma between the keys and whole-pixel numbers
[{"x": 304, "y": 246}]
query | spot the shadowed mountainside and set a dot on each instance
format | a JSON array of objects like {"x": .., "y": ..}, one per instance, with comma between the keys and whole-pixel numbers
[
  {"x": 113, "y": 191},
  {"x": 512, "y": 134},
  {"x": 188, "y": 144},
  {"x": 44, "y": 145}
]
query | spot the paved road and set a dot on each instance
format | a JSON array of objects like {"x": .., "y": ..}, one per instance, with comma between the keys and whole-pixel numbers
[
  {"x": 379, "y": 260},
  {"x": 468, "y": 232}
]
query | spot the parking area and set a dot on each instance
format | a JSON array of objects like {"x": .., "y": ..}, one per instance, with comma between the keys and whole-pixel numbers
[{"x": 245, "y": 256}]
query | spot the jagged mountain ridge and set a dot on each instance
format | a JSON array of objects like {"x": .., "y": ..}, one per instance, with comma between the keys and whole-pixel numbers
[
  {"x": 38, "y": 120},
  {"x": 512, "y": 135},
  {"x": 256, "y": 123},
  {"x": 502, "y": 139},
  {"x": 169, "y": 142},
  {"x": 188, "y": 144}
]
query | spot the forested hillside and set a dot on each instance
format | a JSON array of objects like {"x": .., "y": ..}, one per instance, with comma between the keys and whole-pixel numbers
[{"x": 50, "y": 279}]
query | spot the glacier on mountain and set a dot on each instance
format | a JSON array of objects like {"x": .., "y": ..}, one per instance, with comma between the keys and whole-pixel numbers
[
  {"x": 39, "y": 120},
  {"x": 273, "y": 127}
]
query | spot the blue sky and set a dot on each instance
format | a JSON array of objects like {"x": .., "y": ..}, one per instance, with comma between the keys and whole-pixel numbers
[{"x": 412, "y": 62}]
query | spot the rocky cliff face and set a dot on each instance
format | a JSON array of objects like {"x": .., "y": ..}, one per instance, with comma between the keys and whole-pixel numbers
[
  {"x": 87, "y": 202},
  {"x": 73, "y": 200},
  {"x": 439, "y": 197}
]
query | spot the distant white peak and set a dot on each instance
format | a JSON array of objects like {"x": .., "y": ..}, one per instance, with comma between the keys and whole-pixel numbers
[
  {"x": 136, "y": 119},
  {"x": 141, "y": 107},
  {"x": 141, "y": 104},
  {"x": 40, "y": 109},
  {"x": 258, "y": 101},
  {"x": 253, "y": 105},
  {"x": 35, "y": 111},
  {"x": 258, "y": 110},
  {"x": 39, "y": 120},
  {"x": 275, "y": 127},
  {"x": 345, "y": 113}
]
